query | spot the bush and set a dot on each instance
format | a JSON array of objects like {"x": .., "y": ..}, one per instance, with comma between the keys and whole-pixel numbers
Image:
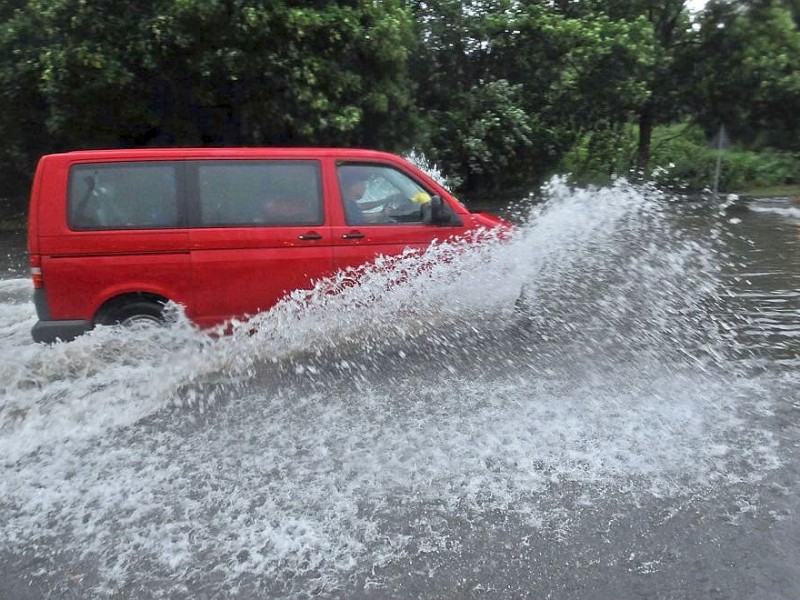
[
  {"x": 680, "y": 157},
  {"x": 600, "y": 155},
  {"x": 746, "y": 169}
]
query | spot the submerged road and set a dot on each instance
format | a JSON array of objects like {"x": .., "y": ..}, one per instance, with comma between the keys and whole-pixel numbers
[{"x": 636, "y": 437}]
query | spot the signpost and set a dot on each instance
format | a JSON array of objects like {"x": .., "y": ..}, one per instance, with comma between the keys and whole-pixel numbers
[{"x": 721, "y": 142}]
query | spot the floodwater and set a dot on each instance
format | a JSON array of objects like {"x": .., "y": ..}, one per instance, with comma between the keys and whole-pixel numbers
[{"x": 635, "y": 434}]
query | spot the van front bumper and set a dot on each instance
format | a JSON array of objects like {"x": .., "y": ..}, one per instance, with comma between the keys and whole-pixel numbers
[{"x": 53, "y": 331}]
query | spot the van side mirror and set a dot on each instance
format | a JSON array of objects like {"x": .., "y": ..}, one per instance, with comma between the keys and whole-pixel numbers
[{"x": 435, "y": 212}]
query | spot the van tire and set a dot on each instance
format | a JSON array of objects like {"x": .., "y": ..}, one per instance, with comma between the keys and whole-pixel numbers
[{"x": 134, "y": 313}]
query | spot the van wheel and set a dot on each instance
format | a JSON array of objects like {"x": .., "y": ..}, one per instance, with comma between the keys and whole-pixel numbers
[{"x": 135, "y": 314}]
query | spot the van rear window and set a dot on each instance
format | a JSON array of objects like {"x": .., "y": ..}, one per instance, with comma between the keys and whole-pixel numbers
[
  {"x": 132, "y": 195},
  {"x": 259, "y": 193}
]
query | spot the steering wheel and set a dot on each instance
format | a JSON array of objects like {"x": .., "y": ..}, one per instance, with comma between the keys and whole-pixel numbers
[{"x": 393, "y": 205}]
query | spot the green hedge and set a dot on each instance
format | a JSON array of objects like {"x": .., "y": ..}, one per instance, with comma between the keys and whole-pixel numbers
[{"x": 682, "y": 158}]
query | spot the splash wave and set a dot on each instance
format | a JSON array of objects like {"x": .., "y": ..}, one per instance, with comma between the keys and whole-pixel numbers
[{"x": 379, "y": 414}]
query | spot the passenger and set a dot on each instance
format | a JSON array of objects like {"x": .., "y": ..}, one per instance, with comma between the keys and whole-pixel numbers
[
  {"x": 273, "y": 212},
  {"x": 353, "y": 182},
  {"x": 292, "y": 211}
]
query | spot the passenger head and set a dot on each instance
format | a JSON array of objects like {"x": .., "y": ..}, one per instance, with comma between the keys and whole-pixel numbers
[{"x": 353, "y": 181}]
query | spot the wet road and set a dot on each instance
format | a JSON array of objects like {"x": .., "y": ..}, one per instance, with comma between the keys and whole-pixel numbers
[{"x": 636, "y": 436}]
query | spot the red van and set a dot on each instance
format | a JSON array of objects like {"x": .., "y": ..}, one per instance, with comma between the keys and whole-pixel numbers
[{"x": 115, "y": 234}]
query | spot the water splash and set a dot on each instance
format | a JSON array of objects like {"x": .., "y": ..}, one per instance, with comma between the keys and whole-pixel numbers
[
  {"x": 783, "y": 207},
  {"x": 380, "y": 414}
]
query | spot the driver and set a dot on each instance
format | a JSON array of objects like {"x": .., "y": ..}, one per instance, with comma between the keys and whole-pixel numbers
[{"x": 353, "y": 183}]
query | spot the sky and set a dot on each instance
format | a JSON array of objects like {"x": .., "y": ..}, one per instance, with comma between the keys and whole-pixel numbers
[{"x": 696, "y": 4}]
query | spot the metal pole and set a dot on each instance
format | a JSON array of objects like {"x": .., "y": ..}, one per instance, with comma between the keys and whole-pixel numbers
[
  {"x": 721, "y": 142},
  {"x": 717, "y": 171}
]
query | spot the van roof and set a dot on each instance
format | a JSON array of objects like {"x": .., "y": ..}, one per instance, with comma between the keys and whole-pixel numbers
[{"x": 229, "y": 152}]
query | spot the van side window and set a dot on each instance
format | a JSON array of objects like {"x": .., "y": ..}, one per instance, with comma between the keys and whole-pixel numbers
[
  {"x": 140, "y": 195},
  {"x": 259, "y": 193},
  {"x": 381, "y": 195}
]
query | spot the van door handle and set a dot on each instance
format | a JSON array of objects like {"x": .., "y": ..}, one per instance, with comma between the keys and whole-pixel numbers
[
  {"x": 353, "y": 235},
  {"x": 310, "y": 236}
]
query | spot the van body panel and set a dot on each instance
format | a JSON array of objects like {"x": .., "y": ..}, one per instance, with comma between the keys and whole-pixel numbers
[
  {"x": 83, "y": 270},
  {"x": 82, "y": 284},
  {"x": 103, "y": 243},
  {"x": 246, "y": 227},
  {"x": 349, "y": 251},
  {"x": 239, "y": 272},
  {"x": 34, "y": 217}
]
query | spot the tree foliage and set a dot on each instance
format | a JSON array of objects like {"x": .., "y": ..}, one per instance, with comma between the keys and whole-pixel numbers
[
  {"x": 497, "y": 92},
  {"x": 508, "y": 86},
  {"x": 205, "y": 72},
  {"x": 748, "y": 73}
]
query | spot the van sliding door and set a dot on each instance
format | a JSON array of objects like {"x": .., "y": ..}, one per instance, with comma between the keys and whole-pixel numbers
[{"x": 259, "y": 231}]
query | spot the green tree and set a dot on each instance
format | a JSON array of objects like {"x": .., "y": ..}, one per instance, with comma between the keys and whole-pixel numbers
[
  {"x": 205, "y": 72},
  {"x": 668, "y": 76},
  {"x": 22, "y": 120},
  {"x": 508, "y": 87},
  {"x": 748, "y": 73}
]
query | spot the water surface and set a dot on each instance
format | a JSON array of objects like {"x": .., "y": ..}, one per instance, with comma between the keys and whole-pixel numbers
[{"x": 634, "y": 435}]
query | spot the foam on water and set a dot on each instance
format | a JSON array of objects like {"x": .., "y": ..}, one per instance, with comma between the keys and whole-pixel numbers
[
  {"x": 81, "y": 389},
  {"x": 341, "y": 432},
  {"x": 783, "y": 207}
]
